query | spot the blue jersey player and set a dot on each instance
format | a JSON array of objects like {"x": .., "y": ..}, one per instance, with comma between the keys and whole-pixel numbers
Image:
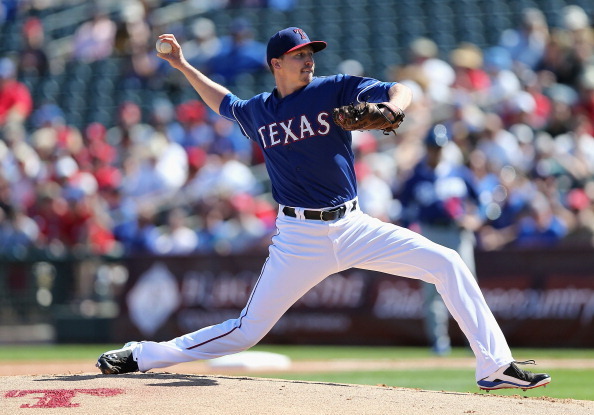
[{"x": 321, "y": 228}]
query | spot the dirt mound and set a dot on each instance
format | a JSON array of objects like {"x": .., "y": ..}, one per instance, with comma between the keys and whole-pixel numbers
[{"x": 169, "y": 393}]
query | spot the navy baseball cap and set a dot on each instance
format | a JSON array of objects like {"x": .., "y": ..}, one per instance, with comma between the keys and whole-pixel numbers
[{"x": 288, "y": 40}]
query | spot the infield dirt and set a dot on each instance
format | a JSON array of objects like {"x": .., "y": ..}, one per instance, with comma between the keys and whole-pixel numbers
[{"x": 170, "y": 393}]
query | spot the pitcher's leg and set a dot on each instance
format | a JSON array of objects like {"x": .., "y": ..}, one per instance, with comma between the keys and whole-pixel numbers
[
  {"x": 291, "y": 270},
  {"x": 391, "y": 249},
  {"x": 228, "y": 337}
]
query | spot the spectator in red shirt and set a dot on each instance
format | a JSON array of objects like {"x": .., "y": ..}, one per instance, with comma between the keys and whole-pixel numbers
[{"x": 15, "y": 98}]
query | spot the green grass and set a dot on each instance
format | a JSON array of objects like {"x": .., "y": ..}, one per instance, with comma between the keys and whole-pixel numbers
[{"x": 567, "y": 383}]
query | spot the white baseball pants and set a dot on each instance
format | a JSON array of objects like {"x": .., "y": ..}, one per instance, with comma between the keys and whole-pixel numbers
[{"x": 304, "y": 252}]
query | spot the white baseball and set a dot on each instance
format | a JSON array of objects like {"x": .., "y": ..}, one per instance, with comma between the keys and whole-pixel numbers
[{"x": 163, "y": 47}]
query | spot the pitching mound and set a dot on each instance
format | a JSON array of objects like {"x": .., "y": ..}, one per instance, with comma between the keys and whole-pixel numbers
[{"x": 169, "y": 393}]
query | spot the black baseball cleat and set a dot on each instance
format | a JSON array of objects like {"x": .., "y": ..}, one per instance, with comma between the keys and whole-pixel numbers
[
  {"x": 116, "y": 362},
  {"x": 511, "y": 376}
]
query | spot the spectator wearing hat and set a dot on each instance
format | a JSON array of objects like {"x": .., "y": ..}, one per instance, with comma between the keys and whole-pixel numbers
[
  {"x": 440, "y": 201},
  {"x": 467, "y": 60}
]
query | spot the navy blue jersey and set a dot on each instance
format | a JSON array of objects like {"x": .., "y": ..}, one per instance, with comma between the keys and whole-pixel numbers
[
  {"x": 309, "y": 159},
  {"x": 437, "y": 196}
]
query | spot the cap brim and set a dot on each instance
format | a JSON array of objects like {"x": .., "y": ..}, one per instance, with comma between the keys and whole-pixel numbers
[{"x": 317, "y": 45}]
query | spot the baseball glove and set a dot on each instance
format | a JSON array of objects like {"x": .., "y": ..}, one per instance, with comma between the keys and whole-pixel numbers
[{"x": 368, "y": 116}]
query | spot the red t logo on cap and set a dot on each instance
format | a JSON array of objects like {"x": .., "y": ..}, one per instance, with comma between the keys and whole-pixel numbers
[{"x": 301, "y": 32}]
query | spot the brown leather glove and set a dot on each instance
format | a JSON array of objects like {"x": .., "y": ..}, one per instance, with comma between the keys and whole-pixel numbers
[{"x": 368, "y": 116}]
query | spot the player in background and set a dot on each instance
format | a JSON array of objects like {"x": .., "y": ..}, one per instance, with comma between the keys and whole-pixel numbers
[{"x": 320, "y": 227}]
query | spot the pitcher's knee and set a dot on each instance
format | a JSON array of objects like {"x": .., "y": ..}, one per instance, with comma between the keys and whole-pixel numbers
[
  {"x": 446, "y": 257},
  {"x": 445, "y": 263},
  {"x": 249, "y": 335}
]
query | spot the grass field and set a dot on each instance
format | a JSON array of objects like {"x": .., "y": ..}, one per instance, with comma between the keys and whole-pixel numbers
[{"x": 574, "y": 383}]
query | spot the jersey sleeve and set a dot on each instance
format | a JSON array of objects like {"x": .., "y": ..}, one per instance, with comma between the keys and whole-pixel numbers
[
  {"x": 236, "y": 109},
  {"x": 361, "y": 89}
]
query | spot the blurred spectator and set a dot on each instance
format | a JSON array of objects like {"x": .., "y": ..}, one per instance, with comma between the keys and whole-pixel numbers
[
  {"x": 533, "y": 111},
  {"x": 527, "y": 43},
  {"x": 131, "y": 28},
  {"x": 504, "y": 84},
  {"x": 135, "y": 44},
  {"x": 139, "y": 234},
  {"x": 176, "y": 237},
  {"x": 374, "y": 193},
  {"x": 519, "y": 112},
  {"x": 222, "y": 177},
  {"x": 433, "y": 74},
  {"x": 375, "y": 172},
  {"x": 581, "y": 205},
  {"x": 471, "y": 80},
  {"x": 500, "y": 146},
  {"x": 563, "y": 100},
  {"x": 23, "y": 174},
  {"x": 97, "y": 153},
  {"x": 505, "y": 194},
  {"x": 231, "y": 225},
  {"x": 195, "y": 130},
  {"x": 239, "y": 54},
  {"x": 94, "y": 39},
  {"x": 16, "y": 102},
  {"x": 48, "y": 214},
  {"x": 18, "y": 232},
  {"x": 140, "y": 180},
  {"x": 97, "y": 237},
  {"x": 540, "y": 226},
  {"x": 204, "y": 43},
  {"x": 171, "y": 161},
  {"x": 561, "y": 59},
  {"x": 129, "y": 133},
  {"x": 33, "y": 60},
  {"x": 163, "y": 119},
  {"x": 228, "y": 140}
]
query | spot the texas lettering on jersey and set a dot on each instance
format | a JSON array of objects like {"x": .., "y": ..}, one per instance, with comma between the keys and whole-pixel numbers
[
  {"x": 291, "y": 130},
  {"x": 309, "y": 159}
]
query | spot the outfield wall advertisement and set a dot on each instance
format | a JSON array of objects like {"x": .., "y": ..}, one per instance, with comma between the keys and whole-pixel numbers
[{"x": 539, "y": 298}]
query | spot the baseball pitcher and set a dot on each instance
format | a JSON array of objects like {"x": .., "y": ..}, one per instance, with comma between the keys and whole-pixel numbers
[{"x": 303, "y": 128}]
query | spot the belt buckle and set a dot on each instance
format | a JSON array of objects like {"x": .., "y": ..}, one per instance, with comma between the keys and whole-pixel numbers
[{"x": 340, "y": 210}]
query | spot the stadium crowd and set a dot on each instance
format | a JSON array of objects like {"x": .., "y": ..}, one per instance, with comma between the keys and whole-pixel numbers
[{"x": 180, "y": 179}]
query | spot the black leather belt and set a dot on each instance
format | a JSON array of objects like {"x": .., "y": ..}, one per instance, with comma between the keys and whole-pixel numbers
[{"x": 325, "y": 215}]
